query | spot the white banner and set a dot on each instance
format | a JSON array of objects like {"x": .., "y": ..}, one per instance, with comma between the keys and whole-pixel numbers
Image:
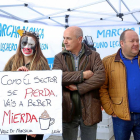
[
  {"x": 31, "y": 102},
  {"x": 106, "y": 39}
]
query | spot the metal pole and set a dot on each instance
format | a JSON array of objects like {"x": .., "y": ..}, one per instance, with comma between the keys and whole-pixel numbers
[
  {"x": 15, "y": 17},
  {"x": 35, "y": 10},
  {"x": 45, "y": 7},
  {"x": 119, "y": 6},
  {"x": 101, "y": 25},
  {"x": 95, "y": 13},
  {"x": 85, "y": 17},
  {"x": 11, "y": 5},
  {"x": 112, "y": 6},
  {"x": 57, "y": 22},
  {"x": 5, "y": 16},
  {"x": 46, "y": 16},
  {"x": 129, "y": 11}
]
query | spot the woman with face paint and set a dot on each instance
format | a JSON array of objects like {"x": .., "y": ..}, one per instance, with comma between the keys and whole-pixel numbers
[{"x": 28, "y": 57}]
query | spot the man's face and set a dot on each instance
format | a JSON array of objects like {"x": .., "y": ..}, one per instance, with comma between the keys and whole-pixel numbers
[
  {"x": 71, "y": 42},
  {"x": 130, "y": 45},
  {"x": 27, "y": 45}
]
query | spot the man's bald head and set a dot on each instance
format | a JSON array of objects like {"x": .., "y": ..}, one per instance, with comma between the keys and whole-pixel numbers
[
  {"x": 73, "y": 39},
  {"x": 76, "y": 30}
]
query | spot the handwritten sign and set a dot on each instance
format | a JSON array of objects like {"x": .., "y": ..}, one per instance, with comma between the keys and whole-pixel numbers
[{"x": 31, "y": 102}]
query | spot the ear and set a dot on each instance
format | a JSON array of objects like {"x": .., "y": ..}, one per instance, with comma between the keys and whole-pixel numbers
[
  {"x": 80, "y": 39},
  {"x": 121, "y": 43}
]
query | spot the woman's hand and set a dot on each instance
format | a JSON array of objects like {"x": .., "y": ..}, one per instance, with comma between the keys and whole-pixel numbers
[
  {"x": 32, "y": 135},
  {"x": 23, "y": 68}
]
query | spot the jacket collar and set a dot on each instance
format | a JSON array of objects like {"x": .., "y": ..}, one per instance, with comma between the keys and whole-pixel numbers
[
  {"x": 117, "y": 57},
  {"x": 87, "y": 50}
]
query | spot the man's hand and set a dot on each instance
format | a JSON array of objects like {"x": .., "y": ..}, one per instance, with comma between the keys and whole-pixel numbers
[
  {"x": 23, "y": 68},
  {"x": 72, "y": 87},
  {"x": 87, "y": 74},
  {"x": 32, "y": 135}
]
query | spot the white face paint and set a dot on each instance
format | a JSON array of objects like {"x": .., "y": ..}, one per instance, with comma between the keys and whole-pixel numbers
[{"x": 27, "y": 45}]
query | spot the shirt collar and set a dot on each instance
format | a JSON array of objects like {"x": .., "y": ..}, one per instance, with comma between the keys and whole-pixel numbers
[{"x": 78, "y": 53}]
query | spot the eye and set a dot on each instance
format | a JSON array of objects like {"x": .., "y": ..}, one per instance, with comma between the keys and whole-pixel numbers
[{"x": 24, "y": 43}]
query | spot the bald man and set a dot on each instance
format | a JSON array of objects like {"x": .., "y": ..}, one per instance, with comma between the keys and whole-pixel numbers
[{"x": 83, "y": 74}]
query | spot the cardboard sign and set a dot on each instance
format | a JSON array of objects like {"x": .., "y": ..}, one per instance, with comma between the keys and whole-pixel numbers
[{"x": 31, "y": 102}]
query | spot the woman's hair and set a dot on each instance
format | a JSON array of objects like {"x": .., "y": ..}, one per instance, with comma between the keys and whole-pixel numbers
[{"x": 19, "y": 57}]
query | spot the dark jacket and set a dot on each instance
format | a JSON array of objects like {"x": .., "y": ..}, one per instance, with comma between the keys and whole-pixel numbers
[{"x": 87, "y": 89}]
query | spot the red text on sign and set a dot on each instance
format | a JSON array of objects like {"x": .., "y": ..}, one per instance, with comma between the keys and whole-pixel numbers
[
  {"x": 38, "y": 93},
  {"x": 19, "y": 118}
]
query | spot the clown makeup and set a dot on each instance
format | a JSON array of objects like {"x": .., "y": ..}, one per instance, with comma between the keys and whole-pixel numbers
[{"x": 27, "y": 45}]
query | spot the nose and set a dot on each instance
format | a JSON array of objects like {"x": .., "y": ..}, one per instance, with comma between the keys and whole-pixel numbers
[
  {"x": 65, "y": 41},
  {"x": 136, "y": 43}
]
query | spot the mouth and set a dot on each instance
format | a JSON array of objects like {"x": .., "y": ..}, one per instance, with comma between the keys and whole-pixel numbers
[
  {"x": 135, "y": 48},
  {"x": 66, "y": 46},
  {"x": 27, "y": 50}
]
